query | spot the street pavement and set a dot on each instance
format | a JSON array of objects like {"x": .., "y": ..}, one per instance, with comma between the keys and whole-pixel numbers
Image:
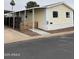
[{"x": 60, "y": 47}]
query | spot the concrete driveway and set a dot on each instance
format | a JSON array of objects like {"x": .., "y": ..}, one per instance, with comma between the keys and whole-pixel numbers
[{"x": 11, "y": 35}]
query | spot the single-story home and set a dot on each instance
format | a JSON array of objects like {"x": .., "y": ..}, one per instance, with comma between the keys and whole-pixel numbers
[{"x": 50, "y": 17}]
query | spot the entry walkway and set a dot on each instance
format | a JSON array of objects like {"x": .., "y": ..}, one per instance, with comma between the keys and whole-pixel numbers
[{"x": 40, "y": 32}]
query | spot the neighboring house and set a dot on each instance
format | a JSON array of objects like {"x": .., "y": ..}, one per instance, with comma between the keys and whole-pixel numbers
[{"x": 50, "y": 17}]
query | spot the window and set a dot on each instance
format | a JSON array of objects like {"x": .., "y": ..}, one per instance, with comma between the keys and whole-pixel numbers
[
  {"x": 67, "y": 14},
  {"x": 55, "y": 14}
]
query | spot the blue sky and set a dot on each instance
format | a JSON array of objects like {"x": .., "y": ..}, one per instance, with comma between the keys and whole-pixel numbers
[{"x": 20, "y": 4}]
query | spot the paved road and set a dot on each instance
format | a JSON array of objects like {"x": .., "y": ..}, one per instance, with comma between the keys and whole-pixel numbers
[{"x": 61, "y": 47}]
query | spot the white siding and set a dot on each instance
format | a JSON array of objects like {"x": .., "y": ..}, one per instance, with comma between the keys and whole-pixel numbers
[{"x": 61, "y": 21}]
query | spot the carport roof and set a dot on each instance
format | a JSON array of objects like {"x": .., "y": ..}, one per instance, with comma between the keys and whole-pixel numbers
[{"x": 7, "y": 11}]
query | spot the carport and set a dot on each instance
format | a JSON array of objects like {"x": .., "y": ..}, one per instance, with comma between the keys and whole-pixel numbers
[{"x": 8, "y": 21}]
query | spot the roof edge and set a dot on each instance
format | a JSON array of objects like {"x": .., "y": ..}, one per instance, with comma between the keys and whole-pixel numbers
[{"x": 59, "y": 3}]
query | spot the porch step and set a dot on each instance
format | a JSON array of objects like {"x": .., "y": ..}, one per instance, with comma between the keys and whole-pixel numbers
[{"x": 40, "y": 32}]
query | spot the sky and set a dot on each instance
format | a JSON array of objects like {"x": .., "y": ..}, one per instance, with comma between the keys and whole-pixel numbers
[{"x": 20, "y": 4}]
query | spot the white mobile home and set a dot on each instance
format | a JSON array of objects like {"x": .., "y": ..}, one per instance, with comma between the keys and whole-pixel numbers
[{"x": 50, "y": 17}]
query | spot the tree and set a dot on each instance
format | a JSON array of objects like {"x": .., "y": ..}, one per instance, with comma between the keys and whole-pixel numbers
[
  {"x": 31, "y": 4},
  {"x": 12, "y": 3}
]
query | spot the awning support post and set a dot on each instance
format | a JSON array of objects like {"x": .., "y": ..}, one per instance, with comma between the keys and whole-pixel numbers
[{"x": 33, "y": 19}]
